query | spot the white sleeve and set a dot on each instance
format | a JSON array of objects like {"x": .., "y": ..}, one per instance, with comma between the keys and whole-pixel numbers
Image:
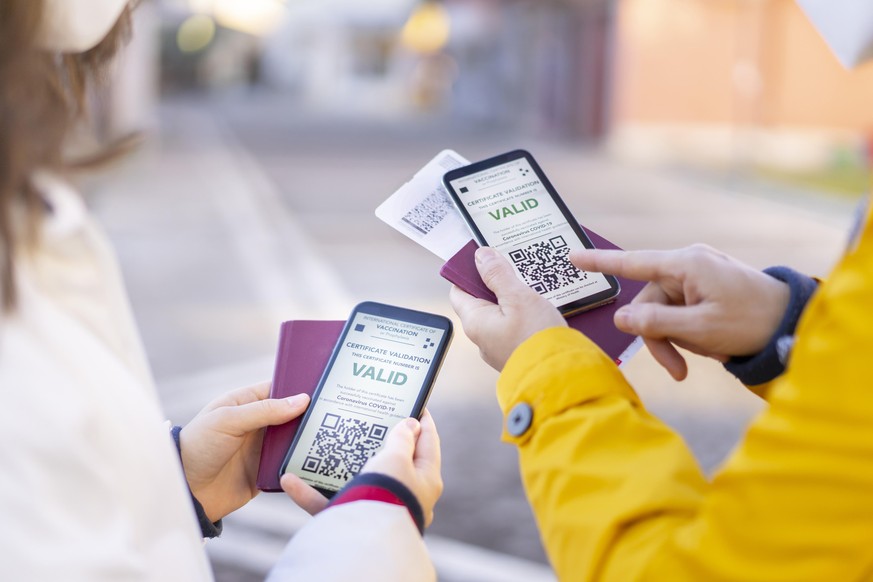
[{"x": 362, "y": 540}]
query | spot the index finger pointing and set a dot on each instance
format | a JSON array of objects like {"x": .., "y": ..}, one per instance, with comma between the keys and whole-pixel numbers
[{"x": 636, "y": 265}]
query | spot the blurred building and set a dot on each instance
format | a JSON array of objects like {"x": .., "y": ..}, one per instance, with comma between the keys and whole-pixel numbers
[
  {"x": 342, "y": 57},
  {"x": 742, "y": 83},
  {"x": 738, "y": 81},
  {"x": 540, "y": 65}
]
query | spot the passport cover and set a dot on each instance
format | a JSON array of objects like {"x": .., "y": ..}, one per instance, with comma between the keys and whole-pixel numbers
[
  {"x": 597, "y": 324},
  {"x": 304, "y": 349}
]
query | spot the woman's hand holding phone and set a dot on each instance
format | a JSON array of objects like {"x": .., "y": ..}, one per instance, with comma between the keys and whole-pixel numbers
[
  {"x": 411, "y": 454},
  {"x": 511, "y": 206},
  {"x": 519, "y": 313},
  {"x": 221, "y": 446}
]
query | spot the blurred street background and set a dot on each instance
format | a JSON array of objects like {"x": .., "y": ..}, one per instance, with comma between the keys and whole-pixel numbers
[{"x": 275, "y": 127}]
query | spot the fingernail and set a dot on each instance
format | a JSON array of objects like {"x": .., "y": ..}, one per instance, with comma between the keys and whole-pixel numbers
[
  {"x": 412, "y": 423},
  {"x": 624, "y": 316},
  {"x": 485, "y": 254},
  {"x": 297, "y": 399}
]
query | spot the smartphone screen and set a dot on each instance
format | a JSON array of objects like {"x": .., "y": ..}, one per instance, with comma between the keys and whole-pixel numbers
[
  {"x": 381, "y": 371},
  {"x": 511, "y": 206}
]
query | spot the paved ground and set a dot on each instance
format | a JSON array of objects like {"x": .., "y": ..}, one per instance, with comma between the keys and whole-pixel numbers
[{"x": 243, "y": 212}]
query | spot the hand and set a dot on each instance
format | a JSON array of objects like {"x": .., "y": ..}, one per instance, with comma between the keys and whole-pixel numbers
[
  {"x": 697, "y": 298},
  {"x": 519, "y": 313},
  {"x": 411, "y": 454},
  {"x": 221, "y": 446}
]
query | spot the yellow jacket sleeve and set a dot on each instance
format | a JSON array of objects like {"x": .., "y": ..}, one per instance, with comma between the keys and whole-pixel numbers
[{"x": 618, "y": 496}]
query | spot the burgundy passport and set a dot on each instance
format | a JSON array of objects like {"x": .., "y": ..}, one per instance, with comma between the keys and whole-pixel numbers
[
  {"x": 597, "y": 324},
  {"x": 304, "y": 349}
]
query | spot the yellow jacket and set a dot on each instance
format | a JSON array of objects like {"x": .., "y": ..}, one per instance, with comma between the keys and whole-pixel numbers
[{"x": 618, "y": 496}]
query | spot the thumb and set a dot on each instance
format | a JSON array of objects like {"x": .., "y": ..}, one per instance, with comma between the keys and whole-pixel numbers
[
  {"x": 401, "y": 440},
  {"x": 268, "y": 412},
  {"x": 497, "y": 273}
]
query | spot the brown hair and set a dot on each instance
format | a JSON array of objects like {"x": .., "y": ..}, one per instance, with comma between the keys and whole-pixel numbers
[{"x": 42, "y": 95}]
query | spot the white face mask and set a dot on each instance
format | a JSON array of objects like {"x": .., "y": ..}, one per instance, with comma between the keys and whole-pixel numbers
[
  {"x": 846, "y": 25},
  {"x": 75, "y": 26}
]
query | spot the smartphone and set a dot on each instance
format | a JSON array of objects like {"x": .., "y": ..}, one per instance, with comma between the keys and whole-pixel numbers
[
  {"x": 509, "y": 204},
  {"x": 381, "y": 371}
]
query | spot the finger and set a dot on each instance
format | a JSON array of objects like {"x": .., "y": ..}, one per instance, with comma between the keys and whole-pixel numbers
[
  {"x": 658, "y": 321},
  {"x": 427, "y": 449},
  {"x": 669, "y": 357},
  {"x": 652, "y": 293},
  {"x": 701, "y": 352},
  {"x": 252, "y": 393},
  {"x": 310, "y": 500},
  {"x": 636, "y": 265},
  {"x": 401, "y": 439},
  {"x": 465, "y": 304},
  {"x": 498, "y": 275},
  {"x": 249, "y": 417},
  {"x": 666, "y": 290},
  {"x": 241, "y": 396}
]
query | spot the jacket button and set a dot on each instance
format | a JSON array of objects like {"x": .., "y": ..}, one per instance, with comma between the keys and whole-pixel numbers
[{"x": 519, "y": 419}]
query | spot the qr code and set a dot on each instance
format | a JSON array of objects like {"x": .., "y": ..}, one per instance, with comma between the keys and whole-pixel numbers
[
  {"x": 544, "y": 265},
  {"x": 429, "y": 212},
  {"x": 342, "y": 446}
]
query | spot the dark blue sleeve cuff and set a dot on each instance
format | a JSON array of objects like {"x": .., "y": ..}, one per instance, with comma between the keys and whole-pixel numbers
[
  {"x": 207, "y": 528},
  {"x": 770, "y": 362}
]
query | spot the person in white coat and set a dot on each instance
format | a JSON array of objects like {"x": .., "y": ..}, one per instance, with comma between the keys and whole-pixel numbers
[{"x": 91, "y": 484}]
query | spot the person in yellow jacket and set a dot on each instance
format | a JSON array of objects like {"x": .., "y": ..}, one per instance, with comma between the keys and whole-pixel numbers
[{"x": 617, "y": 495}]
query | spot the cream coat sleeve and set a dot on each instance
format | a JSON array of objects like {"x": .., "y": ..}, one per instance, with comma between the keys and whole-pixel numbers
[
  {"x": 91, "y": 487},
  {"x": 617, "y": 495},
  {"x": 363, "y": 541}
]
